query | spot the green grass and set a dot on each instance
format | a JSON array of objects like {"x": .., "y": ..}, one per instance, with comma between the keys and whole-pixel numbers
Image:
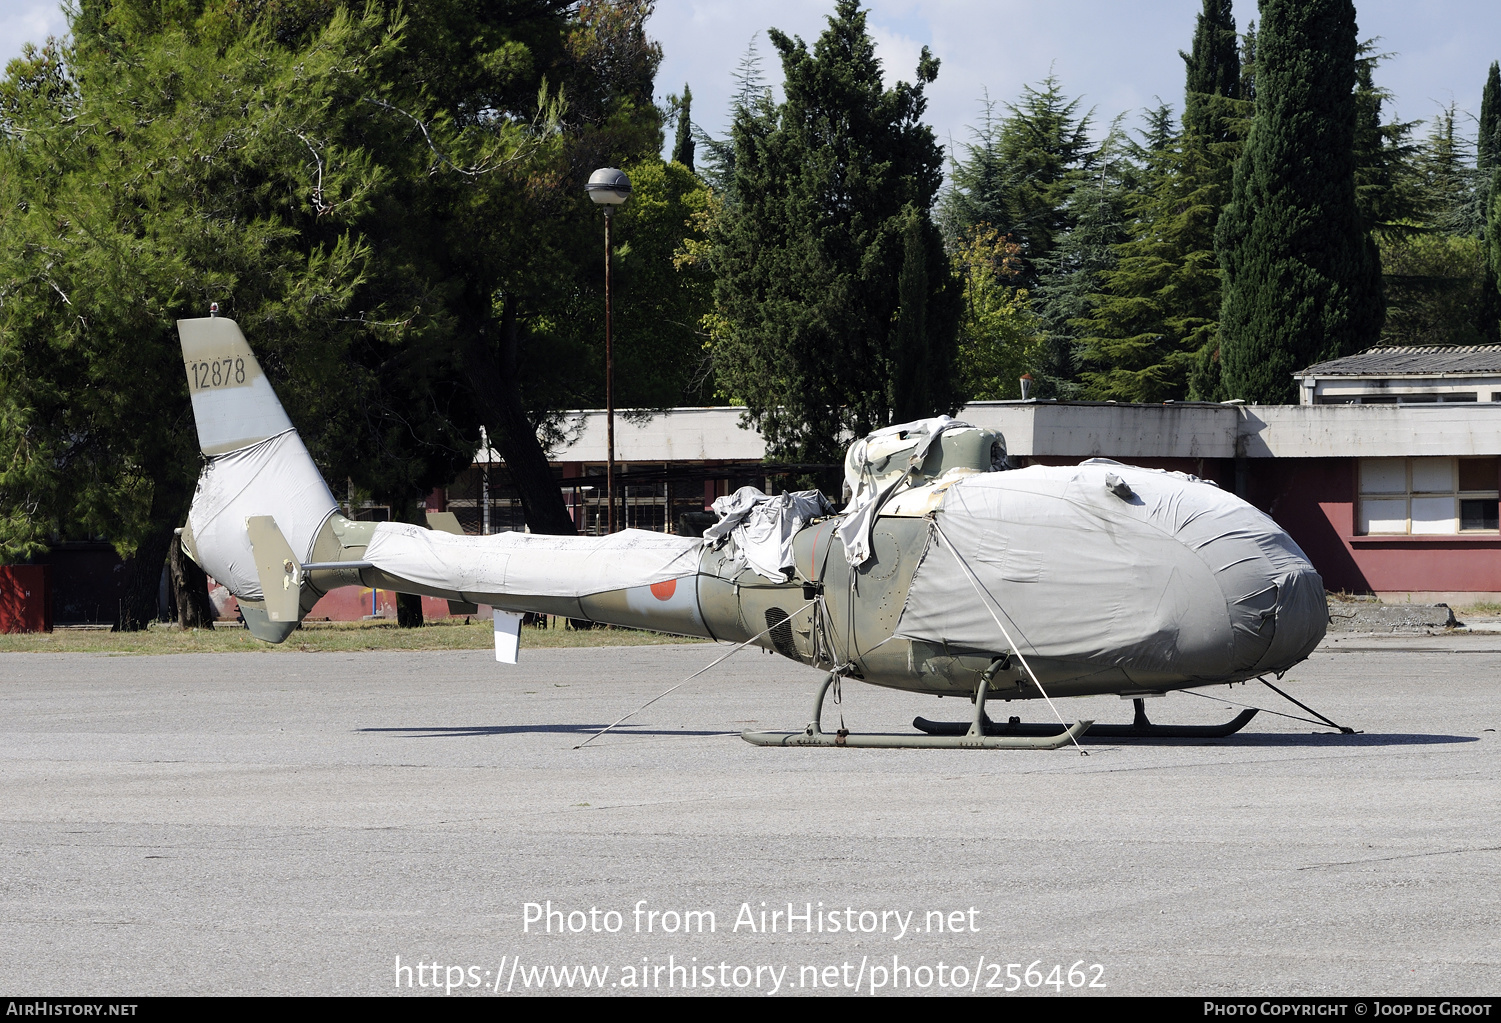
[
  {"x": 322, "y": 637},
  {"x": 1481, "y": 609}
]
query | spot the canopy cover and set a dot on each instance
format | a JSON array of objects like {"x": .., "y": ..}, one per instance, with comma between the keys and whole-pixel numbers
[{"x": 1165, "y": 573}]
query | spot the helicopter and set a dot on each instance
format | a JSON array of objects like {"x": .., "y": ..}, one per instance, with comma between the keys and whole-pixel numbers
[{"x": 948, "y": 573}]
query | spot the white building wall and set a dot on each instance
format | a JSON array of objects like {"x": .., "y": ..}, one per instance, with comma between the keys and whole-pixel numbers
[{"x": 1090, "y": 429}]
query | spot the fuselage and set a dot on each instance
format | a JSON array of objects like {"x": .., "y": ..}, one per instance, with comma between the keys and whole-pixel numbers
[{"x": 1129, "y": 606}]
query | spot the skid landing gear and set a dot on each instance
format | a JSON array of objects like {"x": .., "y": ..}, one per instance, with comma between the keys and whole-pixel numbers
[
  {"x": 1140, "y": 728},
  {"x": 975, "y": 736}
]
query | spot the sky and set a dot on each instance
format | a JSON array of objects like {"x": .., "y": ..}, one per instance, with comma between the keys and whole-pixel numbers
[{"x": 1119, "y": 58}]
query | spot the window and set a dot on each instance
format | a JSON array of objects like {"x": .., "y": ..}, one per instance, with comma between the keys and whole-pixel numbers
[
  {"x": 1390, "y": 398},
  {"x": 1428, "y": 496}
]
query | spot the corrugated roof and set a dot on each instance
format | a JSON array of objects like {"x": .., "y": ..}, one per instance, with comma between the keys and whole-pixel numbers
[{"x": 1411, "y": 360}]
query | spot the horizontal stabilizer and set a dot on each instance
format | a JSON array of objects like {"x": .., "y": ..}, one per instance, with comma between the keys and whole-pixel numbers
[{"x": 280, "y": 570}]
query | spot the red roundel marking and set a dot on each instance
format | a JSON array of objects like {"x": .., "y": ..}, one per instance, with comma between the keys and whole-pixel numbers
[{"x": 664, "y": 591}]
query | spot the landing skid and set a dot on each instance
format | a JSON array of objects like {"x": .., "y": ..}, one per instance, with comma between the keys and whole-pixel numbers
[
  {"x": 1140, "y": 728},
  {"x": 973, "y": 736}
]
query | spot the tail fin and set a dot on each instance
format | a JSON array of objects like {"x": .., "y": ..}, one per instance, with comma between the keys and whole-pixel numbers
[
  {"x": 233, "y": 404},
  {"x": 257, "y": 466}
]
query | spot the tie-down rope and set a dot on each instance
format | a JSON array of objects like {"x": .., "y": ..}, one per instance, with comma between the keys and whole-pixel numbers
[{"x": 695, "y": 675}]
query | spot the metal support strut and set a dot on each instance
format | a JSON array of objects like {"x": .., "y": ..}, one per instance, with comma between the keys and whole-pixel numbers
[{"x": 975, "y": 738}]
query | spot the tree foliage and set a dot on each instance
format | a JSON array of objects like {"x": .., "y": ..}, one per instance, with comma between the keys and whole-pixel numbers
[
  {"x": 1018, "y": 176},
  {"x": 1434, "y": 284},
  {"x": 1018, "y": 173},
  {"x": 837, "y": 309},
  {"x": 1000, "y": 338},
  {"x": 390, "y": 204},
  {"x": 142, "y": 182},
  {"x": 1302, "y": 275},
  {"x": 682, "y": 114}
]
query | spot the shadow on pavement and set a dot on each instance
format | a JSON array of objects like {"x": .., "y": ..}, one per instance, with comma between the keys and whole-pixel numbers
[
  {"x": 471, "y": 731},
  {"x": 1285, "y": 739}
]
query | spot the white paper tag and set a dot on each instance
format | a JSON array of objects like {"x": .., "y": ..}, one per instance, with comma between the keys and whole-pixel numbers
[{"x": 507, "y": 636}]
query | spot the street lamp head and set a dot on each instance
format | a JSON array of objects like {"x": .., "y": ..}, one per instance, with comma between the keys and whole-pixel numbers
[{"x": 609, "y": 187}]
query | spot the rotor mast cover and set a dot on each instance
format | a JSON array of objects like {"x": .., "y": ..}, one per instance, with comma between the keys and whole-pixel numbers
[
  {"x": 914, "y": 453},
  {"x": 927, "y": 449}
]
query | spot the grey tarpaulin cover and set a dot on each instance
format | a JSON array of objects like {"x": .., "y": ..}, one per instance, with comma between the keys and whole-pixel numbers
[
  {"x": 273, "y": 477},
  {"x": 1172, "y": 578},
  {"x": 874, "y": 467},
  {"x": 531, "y": 564},
  {"x": 763, "y": 526}
]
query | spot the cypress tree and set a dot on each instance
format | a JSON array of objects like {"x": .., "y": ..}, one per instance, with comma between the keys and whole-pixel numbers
[
  {"x": 682, "y": 143},
  {"x": 1302, "y": 276},
  {"x": 1493, "y": 236},
  {"x": 1213, "y": 74},
  {"x": 1248, "y": 63},
  {"x": 1488, "y": 164},
  {"x": 1488, "y": 152},
  {"x": 909, "y": 384}
]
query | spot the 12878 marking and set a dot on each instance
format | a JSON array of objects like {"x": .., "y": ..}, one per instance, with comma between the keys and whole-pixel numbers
[{"x": 225, "y": 372}]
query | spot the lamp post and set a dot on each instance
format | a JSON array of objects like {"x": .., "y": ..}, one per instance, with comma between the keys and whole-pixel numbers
[{"x": 609, "y": 188}]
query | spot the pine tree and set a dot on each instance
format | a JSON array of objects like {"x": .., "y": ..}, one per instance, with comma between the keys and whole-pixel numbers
[
  {"x": 1018, "y": 177},
  {"x": 1435, "y": 264},
  {"x": 1385, "y": 186},
  {"x": 752, "y": 99},
  {"x": 1102, "y": 207},
  {"x": 977, "y": 197},
  {"x": 1302, "y": 276},
  {"x": 1153, "y": 334},
  {"x": 1447, "y": 180},
  {"x": 1018, "y": 173},
  {"x": 836, "y": 304},
  {"x": 1161, "y": 302}
]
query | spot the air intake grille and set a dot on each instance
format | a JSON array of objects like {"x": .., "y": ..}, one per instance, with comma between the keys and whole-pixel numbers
[{"x": 781, "y": 632}]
